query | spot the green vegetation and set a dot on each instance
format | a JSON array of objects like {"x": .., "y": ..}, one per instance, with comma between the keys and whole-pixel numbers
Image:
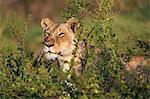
[{"x": 103, "y": 76}]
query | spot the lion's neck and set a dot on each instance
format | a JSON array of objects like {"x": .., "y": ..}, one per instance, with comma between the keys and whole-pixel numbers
[{"x": 65, "y": 58}]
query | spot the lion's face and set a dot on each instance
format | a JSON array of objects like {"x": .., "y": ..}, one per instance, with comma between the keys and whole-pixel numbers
[{"x": 59, "y": 37}]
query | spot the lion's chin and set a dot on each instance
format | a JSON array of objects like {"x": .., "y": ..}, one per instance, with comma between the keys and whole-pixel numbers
[{"x": 51, "y": 56}]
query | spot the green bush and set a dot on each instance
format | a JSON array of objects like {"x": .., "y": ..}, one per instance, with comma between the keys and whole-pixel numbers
[{"x": 103, "y": 75}]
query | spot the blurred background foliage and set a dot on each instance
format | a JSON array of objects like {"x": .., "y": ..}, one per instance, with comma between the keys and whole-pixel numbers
[
  {"x": 120, "y": 28},
  {"x": 131, "y": 16}
]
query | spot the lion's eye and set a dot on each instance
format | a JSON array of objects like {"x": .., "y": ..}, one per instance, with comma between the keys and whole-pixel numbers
[
  {"x": 62, "y": 34},
  {"x": 47, "y": 34}
]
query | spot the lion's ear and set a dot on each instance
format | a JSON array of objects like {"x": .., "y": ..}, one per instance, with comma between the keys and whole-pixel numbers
[
  {"x": 46, "y": 22},
  {"x": 73, "y": 24}
]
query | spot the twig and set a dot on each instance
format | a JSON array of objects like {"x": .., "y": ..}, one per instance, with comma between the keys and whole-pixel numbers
[{"x": 38, "y": 59}]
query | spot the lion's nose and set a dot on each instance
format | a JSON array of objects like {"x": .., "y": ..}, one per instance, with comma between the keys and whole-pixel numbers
[{"x": 49, "y": 44}]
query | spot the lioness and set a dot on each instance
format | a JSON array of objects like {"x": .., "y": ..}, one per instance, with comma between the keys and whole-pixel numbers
[{"x": 59, "y": 43}]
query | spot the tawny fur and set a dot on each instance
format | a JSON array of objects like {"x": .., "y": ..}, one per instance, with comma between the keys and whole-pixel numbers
[{"x": 59, "y": 42}]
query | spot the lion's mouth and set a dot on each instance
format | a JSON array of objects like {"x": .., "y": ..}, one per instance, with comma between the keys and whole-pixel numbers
[
  {"x": 59, "y": 53},
  {"x": 62, "y": 52},
  {"x": 48, "y": 50}
]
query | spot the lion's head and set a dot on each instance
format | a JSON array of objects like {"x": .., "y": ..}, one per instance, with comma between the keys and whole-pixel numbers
[{"x": 59, "y": 38}]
